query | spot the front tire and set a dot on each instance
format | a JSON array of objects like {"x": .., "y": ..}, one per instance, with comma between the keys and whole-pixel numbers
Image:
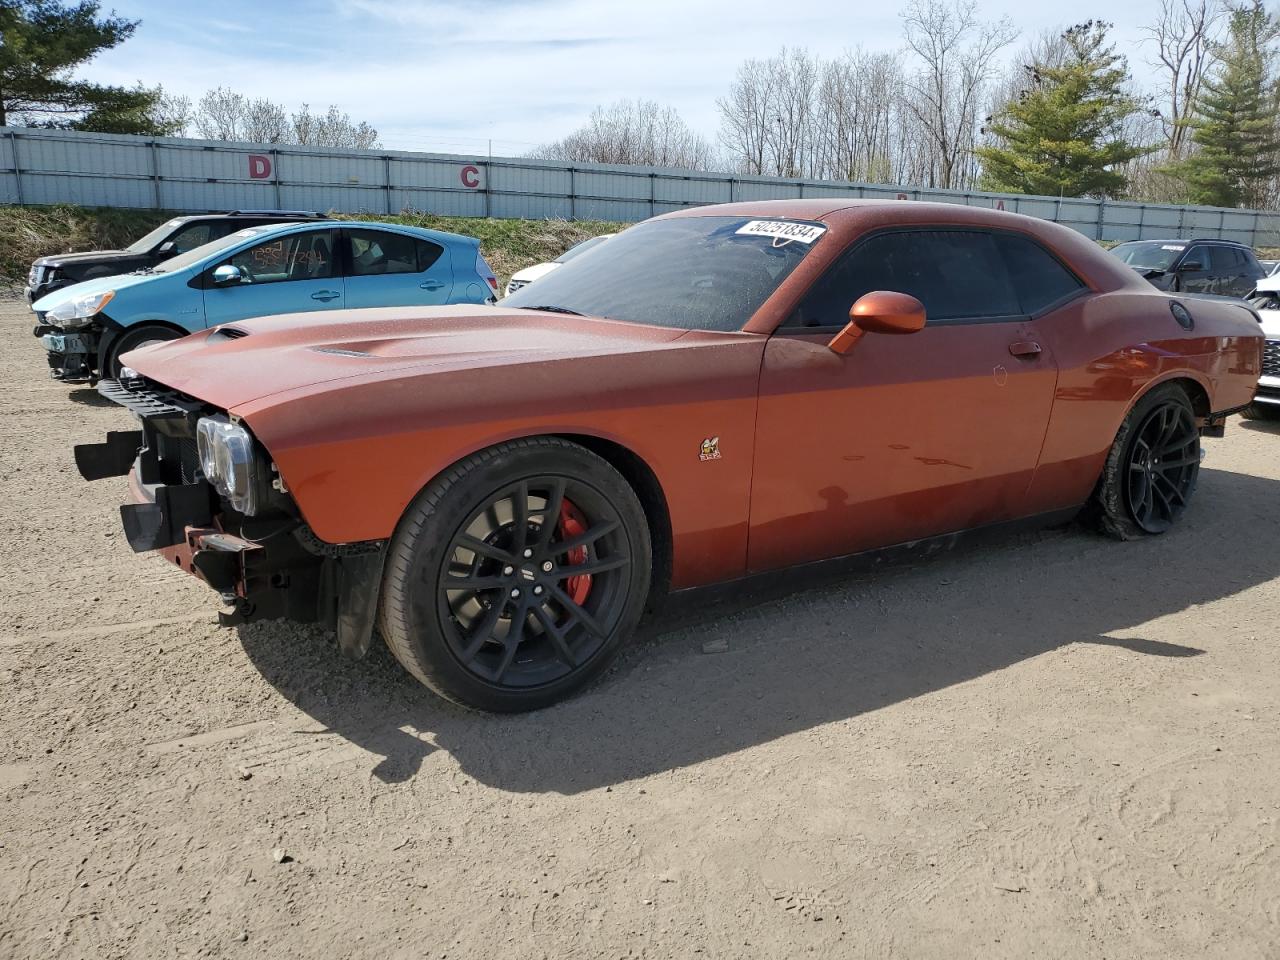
[
  {"x": 1152, "y": 468},
  {"x": 132, "y": 339},
  {"x": 515, "y": 578},
  {"x": 1261, "y": 411}
]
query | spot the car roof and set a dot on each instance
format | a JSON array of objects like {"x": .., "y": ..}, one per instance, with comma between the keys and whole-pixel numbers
[
  {"x": 1234, "y": 243},
  {"x": 426, "y": 233},
  {"x": 255, "y": 215}
]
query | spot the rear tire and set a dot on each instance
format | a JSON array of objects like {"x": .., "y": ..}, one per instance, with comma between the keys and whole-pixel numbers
[
  {"x": 1151, "y": 471},
  {"x": 132, "y": 339},
  {"x": 515, "y": 578}
]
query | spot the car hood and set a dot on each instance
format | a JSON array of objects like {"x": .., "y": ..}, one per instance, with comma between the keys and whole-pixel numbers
[
  {"x": 247, "y": 360},
  {"x": 88, "y": 256},
  {"x": 1269, "y": 284},
  {"x": 530, "y": 274},
  {"x": 120, "y": 281}
]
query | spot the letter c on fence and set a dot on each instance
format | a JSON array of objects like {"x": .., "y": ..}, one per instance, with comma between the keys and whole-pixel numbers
[
  {"x": 470, "y": 176},
  {"x": 259, "y": 167}
]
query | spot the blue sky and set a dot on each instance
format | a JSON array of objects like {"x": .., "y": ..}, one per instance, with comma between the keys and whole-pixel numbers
[{"x": 449, "y": 76}]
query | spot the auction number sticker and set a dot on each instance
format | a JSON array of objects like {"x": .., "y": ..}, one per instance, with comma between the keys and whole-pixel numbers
[{"x": 782, "y": 230}]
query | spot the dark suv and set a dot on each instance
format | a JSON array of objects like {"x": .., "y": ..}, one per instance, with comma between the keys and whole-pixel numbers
[
  {"x": 167, "y": 240},
  {"x": 1222, "y": 267}
]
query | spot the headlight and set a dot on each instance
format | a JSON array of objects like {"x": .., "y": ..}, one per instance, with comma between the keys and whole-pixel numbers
[
  {"x": 78, "y": 311},
  {"x": 229, "y": 462}
]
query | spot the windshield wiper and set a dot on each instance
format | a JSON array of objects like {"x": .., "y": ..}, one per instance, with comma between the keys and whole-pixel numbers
[{"x": 555, "y": 309}]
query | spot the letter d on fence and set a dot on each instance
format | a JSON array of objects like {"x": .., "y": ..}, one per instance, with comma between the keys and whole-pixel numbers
[{"x": 259, "y": 167}]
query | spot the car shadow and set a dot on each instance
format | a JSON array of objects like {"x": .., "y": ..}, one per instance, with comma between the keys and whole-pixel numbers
[
  {"x": 89, "y": 397},
  {"x": 846, "y": 645},
  {"x": 1260, "y": 426}
]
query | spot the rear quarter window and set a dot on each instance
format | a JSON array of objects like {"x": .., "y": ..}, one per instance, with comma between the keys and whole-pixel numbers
[{"x": 1040, "y": 280}]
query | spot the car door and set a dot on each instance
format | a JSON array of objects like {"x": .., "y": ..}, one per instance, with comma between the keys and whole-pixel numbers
[
  {"x": 389, "y": 269},
  {"x": 1244, "y": 272},
  {"x": 289, "y": 273},
  {"x": 1195, "y": 271},
  {"x": 906, "y": 436}
]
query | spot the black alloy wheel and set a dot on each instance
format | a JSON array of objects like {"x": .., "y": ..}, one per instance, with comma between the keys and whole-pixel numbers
[
  {"x": 517, "y": 575},
  {"x": 1163, "y": 464},
  {"x": 534, "y": 582}
]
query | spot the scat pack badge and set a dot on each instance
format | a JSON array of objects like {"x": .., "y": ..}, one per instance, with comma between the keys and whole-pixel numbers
[{"x": 710, "y": 449}]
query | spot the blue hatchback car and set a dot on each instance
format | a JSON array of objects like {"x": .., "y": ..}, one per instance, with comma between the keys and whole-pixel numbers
[{"x": 258, "y": 271}]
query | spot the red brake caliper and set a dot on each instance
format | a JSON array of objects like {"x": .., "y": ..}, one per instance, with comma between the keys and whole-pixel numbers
[{"x": 572, "y": 524}]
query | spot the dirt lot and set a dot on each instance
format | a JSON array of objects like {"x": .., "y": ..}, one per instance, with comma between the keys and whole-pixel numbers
[{"x": 1050, "y": 746}]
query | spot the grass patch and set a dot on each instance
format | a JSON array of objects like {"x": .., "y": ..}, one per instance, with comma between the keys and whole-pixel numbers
[{"x": 30, "y": 232}]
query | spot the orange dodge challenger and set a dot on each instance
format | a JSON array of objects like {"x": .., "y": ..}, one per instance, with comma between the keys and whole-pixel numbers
[{"x": 711, "y": 394}]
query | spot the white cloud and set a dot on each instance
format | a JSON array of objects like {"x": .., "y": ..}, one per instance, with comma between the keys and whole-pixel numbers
[{"x": 450, "y": 76}]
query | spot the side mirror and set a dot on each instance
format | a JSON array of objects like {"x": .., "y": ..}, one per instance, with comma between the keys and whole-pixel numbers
[
  {"x": 881, "y": 311},
  {"x": 1190, "y": 266},
  {"x": 226, "y": 275}
]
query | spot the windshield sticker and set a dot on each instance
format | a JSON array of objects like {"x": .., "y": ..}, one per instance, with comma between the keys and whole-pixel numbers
[
  {"x": 1172, "y": 246},
  {"x": 781, "y": 230}
]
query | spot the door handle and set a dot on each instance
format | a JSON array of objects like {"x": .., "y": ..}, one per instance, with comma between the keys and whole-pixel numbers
[
  {"x": 1024, "y": 348},
  {"x": 431, "y": 284},
  {"x": 325, "y": 295}
]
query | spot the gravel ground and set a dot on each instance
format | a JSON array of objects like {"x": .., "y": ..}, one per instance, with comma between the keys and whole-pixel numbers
[{"x": 1052, "y": 745}]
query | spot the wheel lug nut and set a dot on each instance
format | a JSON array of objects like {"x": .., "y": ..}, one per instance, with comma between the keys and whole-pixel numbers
[
  {"x": 528, "y": 552},
  {"x": 548, "y": 567},
  {"x": 537, "y": 591},
  {"x": 508, "y": 571},
  {"x": 515, "y": 594}
]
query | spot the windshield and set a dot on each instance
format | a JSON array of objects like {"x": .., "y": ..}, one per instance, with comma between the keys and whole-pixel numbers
[
  {"x": 1149, "y": 254},
  {"x": 196, "y": 254},
  {"x": 578, "y": 248},
  {"x": 692, "y": 273},
  {"x": 153, "y": 239}
]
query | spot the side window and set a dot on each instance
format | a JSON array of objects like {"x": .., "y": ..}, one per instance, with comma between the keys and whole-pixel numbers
[
  {"x": 297, "y": 256},
  {"x": 428, "y": 253},
  {"x": 956, "y": 274},
  {"x": 1198, "y": 255},
  {"x": 1039, "y": 278},
  {"x": 1224, "y": 260},
  {"x": 375, "y": 252},
  {"x": 192, "y": 236}
]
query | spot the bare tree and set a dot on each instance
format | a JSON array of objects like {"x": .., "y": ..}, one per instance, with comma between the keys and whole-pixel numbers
[
  {"x": 172, "y": 113},
  {"x": 745, "y": 115},
  {"x": 859, "y": 103},
  {"x": 223, "y": 114},
  {"x": 956, "y": 55},
  {"x": 331, "y": 129},
  {"x": 790, "y": 132},
  {"x": 1185, "y": 34},
  {"x": 633, "y": 132}
]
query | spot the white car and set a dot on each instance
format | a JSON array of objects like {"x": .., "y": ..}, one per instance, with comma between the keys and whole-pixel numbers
[
  {"x": 1266, "y": 403},
  {"x": 522, "y": 278}
]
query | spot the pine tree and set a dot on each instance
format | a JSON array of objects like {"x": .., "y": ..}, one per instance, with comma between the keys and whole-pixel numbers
[
  {"x": 42, "y": 44},
  {"x": 1234, "y": 123},
  {"x": 1064, "y": 135}
]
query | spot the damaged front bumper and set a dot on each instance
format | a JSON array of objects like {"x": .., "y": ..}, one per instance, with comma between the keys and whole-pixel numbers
[
  {"x": 72, "y": 357},
  {"x": 264, "y": 567}
]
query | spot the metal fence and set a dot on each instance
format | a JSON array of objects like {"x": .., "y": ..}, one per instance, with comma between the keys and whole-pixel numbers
[{"x": 53, "y": 166}]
